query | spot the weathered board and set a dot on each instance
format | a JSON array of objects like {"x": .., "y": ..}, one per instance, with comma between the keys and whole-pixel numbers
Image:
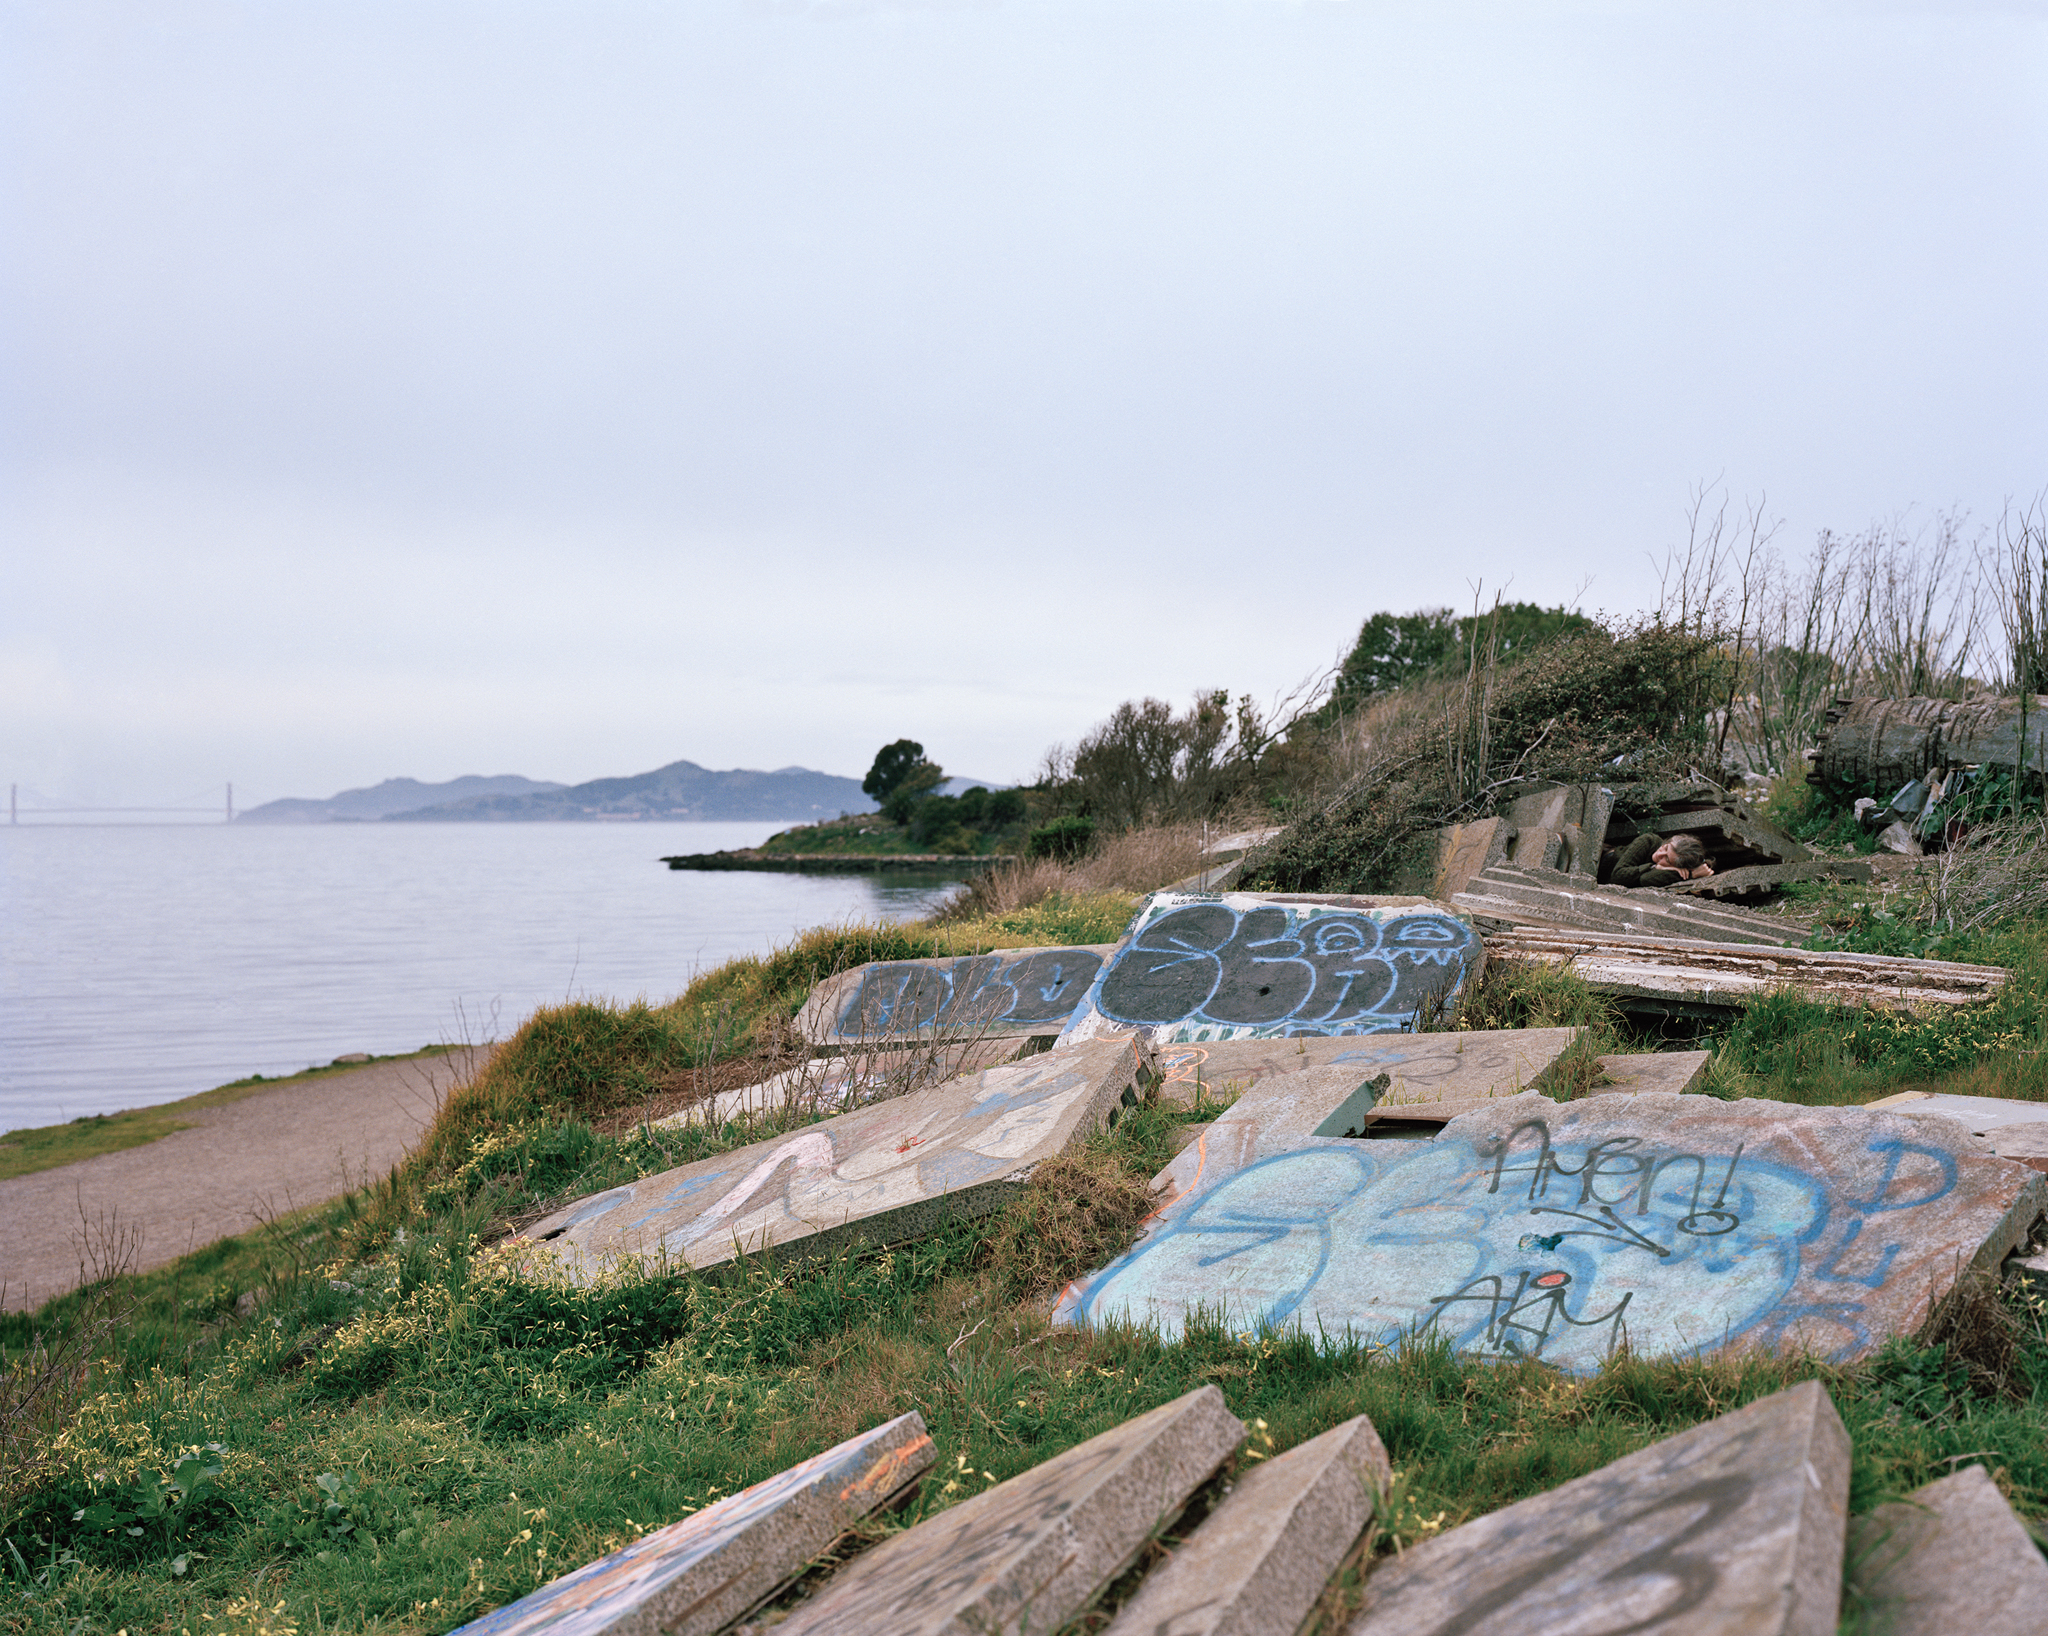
[
  {"x": 696, "y": 1576},
  {"x": 1668, "y": 972},
  {"x": 1030, "y": 1553},
  {"x": 876, "y": 1175},
  {"x": 1247, "y": 965},
  {"x": 1005, "y": 993},
  {"x": 1949, "y": 1558},
  {"x": 1530, "y": 1228},
  {"x": 1733, "y": 1528},
  {"x": 1259, "y": 1561}
]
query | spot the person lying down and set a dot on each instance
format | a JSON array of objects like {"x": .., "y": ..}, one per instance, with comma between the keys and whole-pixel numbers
[{"x": 1648, "y": 862}]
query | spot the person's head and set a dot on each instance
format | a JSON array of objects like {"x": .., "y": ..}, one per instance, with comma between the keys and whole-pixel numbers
[{"x": 1680, "y": 852}]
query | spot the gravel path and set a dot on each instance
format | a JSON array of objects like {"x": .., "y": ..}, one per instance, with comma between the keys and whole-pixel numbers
[{"x": 238, "y": 1164}]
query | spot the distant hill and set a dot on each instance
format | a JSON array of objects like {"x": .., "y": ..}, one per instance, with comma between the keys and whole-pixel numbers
[
  {"x": 392, "y": 796},
  {"x": 682, "y": 789}
]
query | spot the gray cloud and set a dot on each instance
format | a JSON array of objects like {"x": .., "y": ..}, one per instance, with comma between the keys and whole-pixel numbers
[{"x": 566, "y": 389}]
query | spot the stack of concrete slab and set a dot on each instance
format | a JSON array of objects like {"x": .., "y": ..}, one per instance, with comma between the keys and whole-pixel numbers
[
  {"x": 1511, "y": 896},
  {"x": 1199, "y": 967},
  {"x": 882, "y": 1173},
  {"x": 1009, "y": 994},
  {"x": 1683, "y": 976},
  {"x": 1529, "y": 1228}
]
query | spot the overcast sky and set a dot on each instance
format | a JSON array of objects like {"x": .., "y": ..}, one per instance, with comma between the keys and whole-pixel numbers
[{"x": 427, "y": 388}]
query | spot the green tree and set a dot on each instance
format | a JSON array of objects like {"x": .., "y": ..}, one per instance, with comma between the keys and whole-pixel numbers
[
  {"x": 1394, "y": 650},
  {"x": 899, "y": 776}
]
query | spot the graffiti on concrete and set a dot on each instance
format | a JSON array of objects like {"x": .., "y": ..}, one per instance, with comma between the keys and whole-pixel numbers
[
  {"x": 1531, "y": 1245},
  {"x": 1236, "y": 968},
  {"x": 1003, "y": 994}
]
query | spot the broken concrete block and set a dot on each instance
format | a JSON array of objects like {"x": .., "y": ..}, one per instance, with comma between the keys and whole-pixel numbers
[
  {"x": 1260, "y": 1560},
  {"x": 1351, "y": 1089},
  {"x": 1694, "y": 977},
  {"x": 1008, "y": 992},
  {"x": 829, "y": 1084},
  {"x": 696, "y": 1576},
  {"x": 1247, "y": 965},
  {"x": 1463, "y": 1063},
  {"x": 1678, "y": 1072},
  {"x": 1030, "y": 1553},
  {"x": 1538, "y": 848},
  {"x": 1531, "y": 1228},
  {"x": 1733, "y": 1528},
  {"x": 879, "y": 1174},
  {"x": 1950, "y": 1558},
  {"x": 1465, "y": 849},
  {"x": 1757, "y": 882}
]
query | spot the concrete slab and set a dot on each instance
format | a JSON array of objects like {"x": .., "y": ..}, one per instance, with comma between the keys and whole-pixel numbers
[
  {"x": 1029, "y": 1554},
  {"x": 1463, "y": 850},
  {"x": 2016, "y": 1130},
  {"x": 1692, "y": 976},
  {"x": 1951, "y": 1557},
  {"x": 696, "y": 1576},
  {"x": 1460, "y": 1064},
  {"x": 876, "y": 1175},
  {"x": 835, "y": 1083},
  {"x": 1733, "y": 1528},
  {"x": 1531, "y": 1228},
  {"x": 1257, "y": 965},
  {"x": 1521, "y": 897},
  {"x": 1006, "y": 992},
  {"x": 1678, "y": 1072},
  {"x": 1261, "y": 1559},
  {"x": 1350, "y": 1093}
]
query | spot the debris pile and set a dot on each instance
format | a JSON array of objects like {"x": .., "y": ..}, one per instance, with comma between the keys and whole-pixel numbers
[{"x": 1366, "y": 1185}]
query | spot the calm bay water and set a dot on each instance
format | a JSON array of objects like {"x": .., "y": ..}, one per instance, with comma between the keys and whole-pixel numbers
[{"x": 140, "y": 964}]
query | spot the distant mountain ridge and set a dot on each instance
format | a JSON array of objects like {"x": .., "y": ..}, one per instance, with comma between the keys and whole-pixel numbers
[
  {"x": 682, "y": 789},
  {"x": 394, "y": 795}
]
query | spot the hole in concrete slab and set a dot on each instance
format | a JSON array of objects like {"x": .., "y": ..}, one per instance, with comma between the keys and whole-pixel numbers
[{"x": 1348, "y": 1118}]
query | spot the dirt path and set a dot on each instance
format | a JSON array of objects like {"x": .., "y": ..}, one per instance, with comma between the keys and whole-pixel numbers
[{"x": 237, "y": 1165}]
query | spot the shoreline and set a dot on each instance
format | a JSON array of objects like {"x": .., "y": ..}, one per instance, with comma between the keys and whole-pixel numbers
[{"x": 28, "y": 1149}]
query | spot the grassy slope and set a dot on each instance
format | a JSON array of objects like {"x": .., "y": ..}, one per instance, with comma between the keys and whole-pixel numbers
[
  {"x": 873, "y": 834},
  {"x": 45, "y": 1147},
  {"x": 475, "y": 1420}
]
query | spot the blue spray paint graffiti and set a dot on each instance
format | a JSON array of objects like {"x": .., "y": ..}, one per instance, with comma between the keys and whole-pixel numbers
[
  {"x": 1215, "y": 970},
  {"x": 1520, "y": 1246},
  {"x": 902, "y": 998}
]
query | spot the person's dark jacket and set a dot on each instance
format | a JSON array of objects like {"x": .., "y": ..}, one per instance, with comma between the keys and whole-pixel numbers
[{"x": 1633, "y": 867}]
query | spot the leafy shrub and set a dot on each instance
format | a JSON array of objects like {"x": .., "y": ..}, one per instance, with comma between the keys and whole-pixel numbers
[
  {"x": 345, "y": 1510},
  {"x": 1063, "y": 839}
]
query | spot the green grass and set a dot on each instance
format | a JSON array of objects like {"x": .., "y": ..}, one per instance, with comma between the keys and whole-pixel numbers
[
  {"x": 410, "y": 1434},
  {"x": 44, "y": 1147},
  {"x": 875, "y": 835},
  {"x": 408, "y": 1431}
]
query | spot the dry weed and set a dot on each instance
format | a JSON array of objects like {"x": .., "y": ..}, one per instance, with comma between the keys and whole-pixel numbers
[{"x": 1134, "y": 860}]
